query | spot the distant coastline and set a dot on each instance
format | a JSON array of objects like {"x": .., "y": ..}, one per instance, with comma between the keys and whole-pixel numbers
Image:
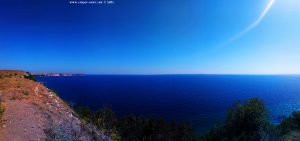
[{"x": 57, "y": 74}]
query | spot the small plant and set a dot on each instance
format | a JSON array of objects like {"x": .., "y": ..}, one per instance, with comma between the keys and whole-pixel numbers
[
  {"x": 26, "y": 93},
  {"x": 13, "y": 98},
  {"x": 2, "y": 109},
  {"x": 84, "y": 113},
  {"x": 30, "y": 77},
  {"x": 53, "y": 91}
]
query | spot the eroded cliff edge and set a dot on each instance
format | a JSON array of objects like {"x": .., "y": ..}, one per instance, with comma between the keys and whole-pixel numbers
[{"x": 33, "y": 112}]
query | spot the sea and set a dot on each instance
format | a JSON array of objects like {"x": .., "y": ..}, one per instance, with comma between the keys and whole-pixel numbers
[{"x": 199, "y": 100}]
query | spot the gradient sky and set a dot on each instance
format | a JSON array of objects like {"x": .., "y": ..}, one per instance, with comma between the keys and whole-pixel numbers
[{"x": 151, "y": 37}]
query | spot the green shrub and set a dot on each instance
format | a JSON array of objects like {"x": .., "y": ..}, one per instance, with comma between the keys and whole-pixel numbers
[
  {"x": 290, "y": 124},
  {"x": 84, "y": 113},
  {"x": 106, "y": 121},
  {"x": 30, "y": 77},
  {"x": 244, "y": 122},
  {"x": 54, "y": 91}
]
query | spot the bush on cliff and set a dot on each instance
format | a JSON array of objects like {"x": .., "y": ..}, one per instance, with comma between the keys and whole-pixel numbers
[
  {"x": 290, "y": 124},
  {"x": 30, "y": 77},
  {"x": 84, "y": 113},
  {"x": 244, "y": 122}
]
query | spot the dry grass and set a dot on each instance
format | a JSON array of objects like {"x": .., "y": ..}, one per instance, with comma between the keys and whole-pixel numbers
[
  {"x": 17, "y": 88},
  {"x": 12, "y": 73}
]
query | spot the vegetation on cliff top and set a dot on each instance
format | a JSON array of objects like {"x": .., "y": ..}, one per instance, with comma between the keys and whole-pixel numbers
[
  {"x": 250, "y": 122},
  {"x": 247, "y": 121},
  {"x": 30, "y": 77},
  {"x": 136, "y": 128}
]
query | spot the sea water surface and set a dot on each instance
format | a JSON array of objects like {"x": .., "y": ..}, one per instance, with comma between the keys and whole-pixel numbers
[{"x": 200, "y": 100}]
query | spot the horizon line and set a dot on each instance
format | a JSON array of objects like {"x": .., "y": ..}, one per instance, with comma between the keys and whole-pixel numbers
[
  {"x": 136, "y": 74},
  {"x": 194, "y": 74},
  {"x": 37, "y": 72}
]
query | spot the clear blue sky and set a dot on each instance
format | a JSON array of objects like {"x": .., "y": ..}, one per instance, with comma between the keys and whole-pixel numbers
[{"x": 151, "y": 37}]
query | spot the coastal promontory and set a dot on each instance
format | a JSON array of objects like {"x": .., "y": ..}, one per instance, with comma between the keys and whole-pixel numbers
[{"x": 31, "y": 111}]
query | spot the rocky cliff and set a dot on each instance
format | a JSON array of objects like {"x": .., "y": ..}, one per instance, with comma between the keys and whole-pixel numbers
[{"x": 33, "y": 112}]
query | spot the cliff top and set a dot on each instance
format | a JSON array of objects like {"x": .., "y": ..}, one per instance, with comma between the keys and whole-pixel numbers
[{"x": 33, "y": 112}]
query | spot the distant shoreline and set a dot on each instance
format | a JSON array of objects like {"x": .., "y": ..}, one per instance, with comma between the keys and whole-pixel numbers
[{"x": 56, "y": 74}]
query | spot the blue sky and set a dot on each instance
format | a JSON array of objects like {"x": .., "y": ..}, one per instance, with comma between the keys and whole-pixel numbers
[{"x": 151, "y": 37}]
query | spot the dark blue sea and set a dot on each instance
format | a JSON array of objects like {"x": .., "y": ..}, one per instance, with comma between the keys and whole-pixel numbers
[{"x": 200, "y": 100}]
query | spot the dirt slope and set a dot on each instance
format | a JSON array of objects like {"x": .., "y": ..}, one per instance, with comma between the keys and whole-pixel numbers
[{"x": 34, "y": 113}]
